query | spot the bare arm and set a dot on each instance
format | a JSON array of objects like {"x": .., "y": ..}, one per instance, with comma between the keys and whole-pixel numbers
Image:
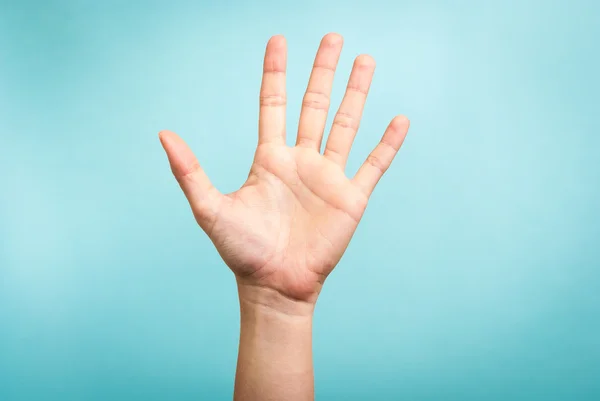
[
  {"x": 285, "y": 230},
  {"x": 275, "y": 355}
]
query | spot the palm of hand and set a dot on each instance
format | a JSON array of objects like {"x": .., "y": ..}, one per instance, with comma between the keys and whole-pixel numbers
[{"x": 290, "y": 223}]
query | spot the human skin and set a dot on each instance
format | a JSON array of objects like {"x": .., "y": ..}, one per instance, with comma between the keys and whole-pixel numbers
[{"x": 287, "y": 227}]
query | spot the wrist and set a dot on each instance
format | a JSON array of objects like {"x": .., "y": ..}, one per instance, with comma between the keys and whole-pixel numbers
[{"x": 255, "y": 298}]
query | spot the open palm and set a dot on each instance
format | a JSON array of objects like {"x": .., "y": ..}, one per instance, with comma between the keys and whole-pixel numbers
[{"x": 290, "y": 223}]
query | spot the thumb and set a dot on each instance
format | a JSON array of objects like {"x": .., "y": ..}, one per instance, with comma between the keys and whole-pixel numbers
[{"x": 203, "y": 197}]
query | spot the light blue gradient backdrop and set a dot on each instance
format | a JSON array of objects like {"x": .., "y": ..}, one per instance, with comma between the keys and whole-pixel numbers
[{"x": 475, "y": 274}]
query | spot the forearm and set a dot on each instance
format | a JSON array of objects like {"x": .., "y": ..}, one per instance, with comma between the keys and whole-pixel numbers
[{"x": 275, "y": 354}]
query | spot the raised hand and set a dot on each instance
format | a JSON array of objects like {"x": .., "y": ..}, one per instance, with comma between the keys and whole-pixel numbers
[{"x": 288, "y": 226}]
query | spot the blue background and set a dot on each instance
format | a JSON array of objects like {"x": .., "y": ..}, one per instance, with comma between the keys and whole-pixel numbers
[{"x": 475, "y": 274}]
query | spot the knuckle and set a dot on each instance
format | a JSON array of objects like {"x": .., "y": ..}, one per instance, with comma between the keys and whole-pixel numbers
[
  {"x": 316, "y": 100},
  {"x": 346, "y": 120},
  {"x": 357, "y": 89},
  {"x": 272, "y": 100},
  {"x": 324, "y": 67},
  {"x": 377, "y": 163},
  {"x": 387, "y": 145},
  {"x": 187, "y": 172},
  {"x": 202, "y": 215},
  {"x": 206, "y": 208}
]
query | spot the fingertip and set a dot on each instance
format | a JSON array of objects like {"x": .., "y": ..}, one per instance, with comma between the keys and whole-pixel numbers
[
  {"x": 162, "y": 134},
  {"x": 277, "y": 41},
  {"x": 275, "y": 55},
  {"x": 182, "y": 159},
  {"x": 165, "y": 133},
  {"x": 168, "y": 138},
  {"x": 365, "y": 61},
  {"x": 400, "y": 123},
  {"x": 333, "y": 39}
]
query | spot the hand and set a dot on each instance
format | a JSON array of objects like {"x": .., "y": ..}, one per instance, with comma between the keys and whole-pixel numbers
[{"x": 287, "y": 227}]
